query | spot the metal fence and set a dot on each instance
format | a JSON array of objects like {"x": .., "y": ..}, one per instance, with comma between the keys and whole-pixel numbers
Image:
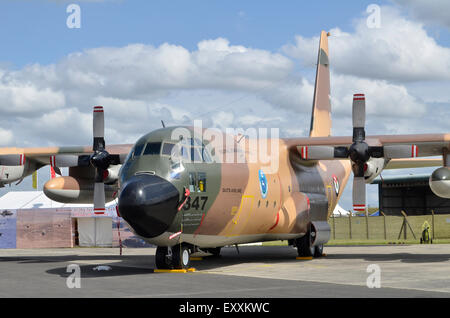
[{"x": 389, "y": 228}]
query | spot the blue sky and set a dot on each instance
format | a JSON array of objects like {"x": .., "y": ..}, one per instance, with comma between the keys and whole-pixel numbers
[
  {"x": 36, "y": 32},
  {"x": 239, "y": 58}
]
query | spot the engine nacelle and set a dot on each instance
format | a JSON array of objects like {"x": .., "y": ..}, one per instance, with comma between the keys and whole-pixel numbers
[
  {"x": 373, "y": 168},
  {"x": 74, "y": 190},
  {"x": 440, "y": 182},
  {"x": 322, "y": 232},
  {"x": 10, "y": 174}
]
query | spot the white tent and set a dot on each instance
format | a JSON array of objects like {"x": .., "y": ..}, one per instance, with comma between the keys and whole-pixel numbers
[{"x": 340, "y": 211}]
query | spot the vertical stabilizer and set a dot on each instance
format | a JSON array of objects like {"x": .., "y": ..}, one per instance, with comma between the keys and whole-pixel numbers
[{"x": 321, "y": 110}]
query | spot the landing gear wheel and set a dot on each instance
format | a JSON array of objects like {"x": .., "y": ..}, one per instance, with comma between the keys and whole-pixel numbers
[
  {"x": 305, "y": 247},
  {"x": 162, "y": 257},
  {"x": 319, "y": 251},
  {"x": 181, "y": 256}
]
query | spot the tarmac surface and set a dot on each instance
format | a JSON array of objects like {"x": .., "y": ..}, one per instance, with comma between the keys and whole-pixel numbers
[{"x": 257, "y": 271}]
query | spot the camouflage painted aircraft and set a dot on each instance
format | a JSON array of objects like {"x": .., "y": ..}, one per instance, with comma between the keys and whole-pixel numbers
[{"x": 174, "y": 193}]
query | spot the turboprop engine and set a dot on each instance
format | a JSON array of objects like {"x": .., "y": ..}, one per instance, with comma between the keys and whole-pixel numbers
[
  {"x": 10, "y": 174},
  {"x": 12, "y": 168},
  {"x": 440, "y": 182},
  {"x": 74, "y": 190}
]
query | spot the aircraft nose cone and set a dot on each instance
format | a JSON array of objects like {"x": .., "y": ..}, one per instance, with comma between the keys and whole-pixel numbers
[{"x": 149, "y": 204}]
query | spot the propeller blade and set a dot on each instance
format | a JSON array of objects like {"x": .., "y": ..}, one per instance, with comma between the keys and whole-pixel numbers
[
  {"x": 12, "y": 160},
  {"x": 401, "y": 151},
  {"x": 99, "y": 128},
  {"x": 359, "y": 194},
  {"x": 68, "y": 161},
  {"x": 316, "y": 152},
  {"x": 359, "y": 117},
  {"x": 322, "y": 152},
  {"x": 99, "y": 198},
  {"x": 359, "y": 110}
]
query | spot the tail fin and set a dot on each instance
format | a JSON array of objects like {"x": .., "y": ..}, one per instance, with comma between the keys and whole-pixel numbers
[{"x": 321, "y": 110}]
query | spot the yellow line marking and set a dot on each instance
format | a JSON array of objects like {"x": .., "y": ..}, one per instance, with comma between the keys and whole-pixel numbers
[{"x": 190, "y": 270}]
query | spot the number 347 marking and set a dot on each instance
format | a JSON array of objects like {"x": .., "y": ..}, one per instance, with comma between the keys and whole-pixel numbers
[{"x": 195, "y": 203}]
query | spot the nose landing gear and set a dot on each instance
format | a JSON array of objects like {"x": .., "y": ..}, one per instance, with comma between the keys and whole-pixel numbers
[{"x": 175, "y": 257}]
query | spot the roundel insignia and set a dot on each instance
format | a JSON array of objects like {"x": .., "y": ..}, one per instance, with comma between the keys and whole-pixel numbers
[
  {"x": 336, "y": 184},
  {"x": 263, "y": 186}
]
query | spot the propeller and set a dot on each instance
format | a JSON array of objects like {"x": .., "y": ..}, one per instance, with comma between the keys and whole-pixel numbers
[
  {"x": 100, "y": 160},
  {"x": 359, "y": 152}
]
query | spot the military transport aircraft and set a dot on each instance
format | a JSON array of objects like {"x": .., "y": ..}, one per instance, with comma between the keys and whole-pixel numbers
[{"x": 177, "y": 192}]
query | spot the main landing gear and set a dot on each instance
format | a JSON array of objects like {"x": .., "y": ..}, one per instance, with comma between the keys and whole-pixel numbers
[
  {"x": 175, "y": 257},
  {"x": 305, "y": 244}
]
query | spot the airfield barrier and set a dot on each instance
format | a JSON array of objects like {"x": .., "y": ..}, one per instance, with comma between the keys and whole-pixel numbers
[{"x": 389, "y": 228}]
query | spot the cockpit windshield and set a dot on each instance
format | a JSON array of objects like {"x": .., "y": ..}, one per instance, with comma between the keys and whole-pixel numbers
[
  {"x": 152, "y": 148},
  {"x": 187, "y": 150}
]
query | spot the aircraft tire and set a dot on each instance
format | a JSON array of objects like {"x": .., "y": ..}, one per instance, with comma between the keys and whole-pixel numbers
[
  {"x": 318, "y": 251},
  {"x": 181, "y": 255},
  {"x": 161, "y": 257},
  {"x": 304, "y": 245}
]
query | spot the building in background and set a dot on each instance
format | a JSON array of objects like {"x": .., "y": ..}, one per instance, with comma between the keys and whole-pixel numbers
[
  {"x": 411, "y": 194},
  {"x": 28, "y": 219}
]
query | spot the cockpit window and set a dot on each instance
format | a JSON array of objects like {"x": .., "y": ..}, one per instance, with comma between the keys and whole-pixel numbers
[
  {"x": 137, "y": 150},
  {"x": 189, "y": 150},
  {"x": 152, "y": 148},
  {"x": 167, "y": 149}
]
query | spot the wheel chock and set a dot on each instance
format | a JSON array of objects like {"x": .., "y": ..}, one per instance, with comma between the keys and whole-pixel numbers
[
  {"x": 196, "y": 258},
  {"x": 189, "y": 270},
  {"x": 304, "y": 258}
]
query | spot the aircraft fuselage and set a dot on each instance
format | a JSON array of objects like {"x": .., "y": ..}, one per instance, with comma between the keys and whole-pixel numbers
[{"x": 245, "y": 200}]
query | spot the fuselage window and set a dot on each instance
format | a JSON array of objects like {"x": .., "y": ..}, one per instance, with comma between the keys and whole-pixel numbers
[{"x": 152, "y": 148}]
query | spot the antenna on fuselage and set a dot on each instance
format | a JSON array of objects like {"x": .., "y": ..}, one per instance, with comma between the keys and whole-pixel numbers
[{"x": 164, "y": 126}]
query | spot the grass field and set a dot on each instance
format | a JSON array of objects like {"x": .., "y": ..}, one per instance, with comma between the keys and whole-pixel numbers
[
  {"x": 383, "y": 230},
  {"x": 362, "y": 242}
]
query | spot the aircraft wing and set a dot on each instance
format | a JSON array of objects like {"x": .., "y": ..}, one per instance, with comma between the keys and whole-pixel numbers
[
  {"x": 414, "y": 163},
  {"x": 389, "y": 146},
  {"x": 44, "y": 155},
  {"x": 360, "y": 148}
]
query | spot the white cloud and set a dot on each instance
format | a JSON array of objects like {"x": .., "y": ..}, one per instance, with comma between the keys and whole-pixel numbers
[
  {"x": 26, "y": 99},
  {"x": 225, "y": 85},
  {"x": 382, "y": 98},
  {"x": 138, "y": 85},
  {"x": 433, "y": 12},
  {"x": 400, "y": 50},
  {"x": 6, "y": 137}
]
